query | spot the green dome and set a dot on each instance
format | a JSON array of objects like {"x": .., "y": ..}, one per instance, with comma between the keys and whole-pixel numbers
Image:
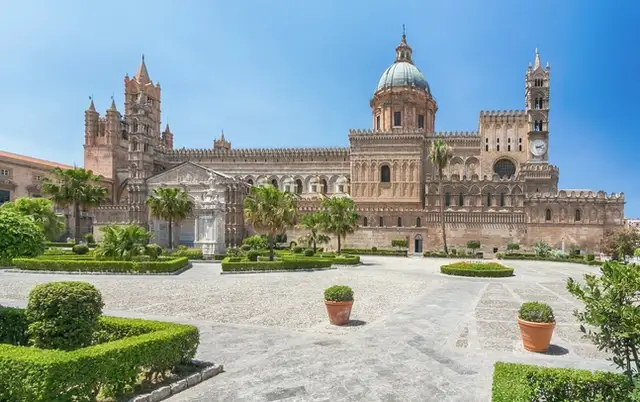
[{"x": 403, "y": 74}]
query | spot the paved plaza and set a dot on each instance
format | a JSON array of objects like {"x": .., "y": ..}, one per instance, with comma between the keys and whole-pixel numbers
[{"x": 416, "y": 335}]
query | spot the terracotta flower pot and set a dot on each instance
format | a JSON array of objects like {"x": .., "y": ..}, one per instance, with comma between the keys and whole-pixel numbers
[
  {"x": 536, "y": 336},
  {"x": 339, "y": 312}
]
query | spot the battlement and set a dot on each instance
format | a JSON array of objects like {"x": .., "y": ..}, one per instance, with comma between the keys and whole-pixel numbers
[
  {"x": 488, "y": 116},
  {"x": 182, "y": 154},
  {"x": 456, "y": 134},
  {"x": 395, "y": 131},
  {"x": 581, "y": 195}
]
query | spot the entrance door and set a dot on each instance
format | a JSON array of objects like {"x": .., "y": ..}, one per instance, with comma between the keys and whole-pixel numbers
[{"x": 417, "y": 244}]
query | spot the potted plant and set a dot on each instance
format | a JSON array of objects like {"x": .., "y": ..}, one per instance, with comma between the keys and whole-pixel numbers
[
  {"x": 338, "y": 299},
  {"x": 536, "y": 323}
]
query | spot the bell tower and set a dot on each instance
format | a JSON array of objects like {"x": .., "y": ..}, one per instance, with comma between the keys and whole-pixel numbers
[{"x": 536, "y": 95}]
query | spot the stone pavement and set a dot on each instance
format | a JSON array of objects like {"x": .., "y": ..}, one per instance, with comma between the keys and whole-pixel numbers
[{"x": 416, "y": 335}]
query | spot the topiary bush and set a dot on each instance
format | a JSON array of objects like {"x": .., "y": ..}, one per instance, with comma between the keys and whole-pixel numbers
[
  {"x": 308, "y": 252},
  {"x": 590, "y": 257},
  {"x": 338, "y": 293},
  {"x": 63, "y": 315},
  {"x": 252, "y": 255},
  {"x": 536, "y": 312},
  {"x": 20, "y": 236},
  {"x": 80, "y": 249},
  {"x": 153, "y": 251},
  {"x": 297, "y": 249},
  {"x": 477, "y": 269},
  {"x": 374, "y": 249}
]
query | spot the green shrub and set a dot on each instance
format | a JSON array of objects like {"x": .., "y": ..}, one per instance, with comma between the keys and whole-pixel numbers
[
  {"x": 231, "y": 264},
  {"x": 536, "y": 312},
  {"x": 525, "y": 383},
  {"x": 80, "y": 249},
  {"x": 338, "y": 293},
  {"x": 513, "y": 247},
  {"x": 473, "y": 245},
  {"x": 400, "y": 243},
  {"x": 45, "y": 263},
  {"x": 20, "y": 236},
  {"x": 123, "y": 242},
  {"x": 297, "y": 249},
  {"x": 535, "y": 257},
  {"x": 292, "y": 244},
  {"x": 542, "y": 249},
  {"x": 153, "y": 251},
  {"x": 131, "y": 348},
  {"x": 255, "y": 242},
  {"x": 477, "y": 269},
  {"x": 374, "y": 249},
  {"x": 453, "y": 252},
  {"x": 590, "y": 257},
  {"x": 63, "y": 315},
  {"x": 344, "y": 259},
  {"x": 89, "y": 238},
  {"x": 13, "y": 326},
  {"x": 252, "y": 255},
  {"x": 308, "y": 252}
]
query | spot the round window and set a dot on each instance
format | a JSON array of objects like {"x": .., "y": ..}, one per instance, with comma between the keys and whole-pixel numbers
[{"x": 504, "y": 168}]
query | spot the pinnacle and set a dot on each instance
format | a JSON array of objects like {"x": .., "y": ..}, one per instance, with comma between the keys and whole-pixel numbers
[
  {"x": 142, "y": 75},
  {"x": 92, "y": 107}
]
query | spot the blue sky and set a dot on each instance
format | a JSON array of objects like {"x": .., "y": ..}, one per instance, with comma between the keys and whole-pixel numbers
[{"x": 294, "y": 73}]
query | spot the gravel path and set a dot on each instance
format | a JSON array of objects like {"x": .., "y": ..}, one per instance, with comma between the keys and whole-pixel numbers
[{"x": 416, "y": 335}]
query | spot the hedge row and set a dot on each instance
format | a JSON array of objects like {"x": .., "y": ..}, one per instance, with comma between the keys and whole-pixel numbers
[
  {"x": 65, "y": 244},
  {"x": 345, "y": 259},
  {"x": 194, "y": 254},
  {"x": 37, "y": 375},
  {"x": 533, "y": 257},
  {"x": 484, "y": 270},
  {"x": 368, "y": 251},
  {"x": 523, "y": 383},
  {"x": 75, "y": 265},
  {"x": 231, "y": 264},
  {"x": 13, "y": 326},
  {"x": 441, "y": 254}
]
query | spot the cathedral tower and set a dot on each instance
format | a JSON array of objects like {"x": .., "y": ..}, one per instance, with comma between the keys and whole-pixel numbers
[{"x": 537, "y": 83}]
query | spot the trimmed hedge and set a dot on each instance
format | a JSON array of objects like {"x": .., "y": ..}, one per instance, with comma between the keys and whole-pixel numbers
[
  {"x": 441, "y": 254},
  {"x": 65, "y": 244},
  {"x": 524, "y": 383},
  {"x": 534, "y": 257},
  {"x": 37, "y": 375},
  {"x": 371, "y": 251},
  {"x": 477, "y": 269},
  {"x": 91, "y": 265},
  {"x": 230, "y": 264},
  {"x": 13, "y": 326},
  {"x": 344, "y": 259}
]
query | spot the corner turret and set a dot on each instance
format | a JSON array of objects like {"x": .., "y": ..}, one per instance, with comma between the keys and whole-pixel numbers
[{"x": 222, "y": 143}]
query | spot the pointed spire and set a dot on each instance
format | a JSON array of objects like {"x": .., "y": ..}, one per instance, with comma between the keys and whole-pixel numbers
[
  {"x": 92, "y": 107},
  {"x": 142, "y": 75},
  {"x": 536, "y": 64},
  {"x": 403, "y": 50},
  {"x": 222, "y": 136},
  {"x": 167, "y": 129},
  {"x": 113, "y": 105}
]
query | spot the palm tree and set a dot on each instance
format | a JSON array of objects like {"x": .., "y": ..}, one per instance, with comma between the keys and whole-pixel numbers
[
  {"x": 339, "y": 217},
  {"x": 42, "y": 212},
  {"x": 170, "y": 204},
  {"x": 270, "y": 211},
  {"x": 313, "y": 222},
  {"x": 76, "y": 187},
  {"x": 440, "y": 156}
]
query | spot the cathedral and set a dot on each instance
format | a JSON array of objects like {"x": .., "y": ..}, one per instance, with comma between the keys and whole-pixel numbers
[{"x": 499, "y": 187}]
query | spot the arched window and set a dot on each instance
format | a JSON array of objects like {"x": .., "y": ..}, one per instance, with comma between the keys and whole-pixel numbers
[
  {"x": 488, "y": 199},
  {"x": 547, "y": 215},
  {"x": 578, "y": 216},
  {"x": 385, "y": 174},
  {"x": 504, "y": 168},
  {"x": 324, "y": 186},
  {"x": 502, "y": 199},
  {"x": 447, "y": 199},
  {"x": 461, "y": 200},
  {"x": 365, "y": 221},
  {"x": 274, "y": 183},
  {"x": 298, "y": 186},
  {"x": 418, "y": 223},
  {"x": 399, "y": 222},
  {"x": 381, "y": 221},
  {"x": 250, "y": 182}
]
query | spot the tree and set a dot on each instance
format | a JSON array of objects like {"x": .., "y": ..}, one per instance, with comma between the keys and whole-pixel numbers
[
  {"x": 340, "y": 217},
  {"x": 20, "y": 236},
  {"x": 611, "y": 306},
  {"x": 123, "y": 242},
  {"x": 76, "y": 187},
  {"x": 473, "y": 245},
  {"x": 400, "y": 243},
  {"x": 170, "y": 204},
  {"x": 270, "y": 211},
  {"x": 314, "y": 223},
  {"x": 621, "y": 243},
  {"x": 513, "y": 247},
  {"x": 440, "y": 156},
  {"x": 42, "y": 212},
  {"x": 542, "y": 249}
]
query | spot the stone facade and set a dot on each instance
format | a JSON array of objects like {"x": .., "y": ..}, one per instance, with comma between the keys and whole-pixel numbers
[
  {"x": 498, "y": 188},
  {"x": 21, "y": 176}
]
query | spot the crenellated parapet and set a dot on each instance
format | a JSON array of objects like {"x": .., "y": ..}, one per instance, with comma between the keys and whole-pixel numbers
[
  {"x": 456, "y": 134},
  {"x": 183, "y": 154},
  {"x": 111, "y": 214},
  {"x": 578, "y": 195},
  {"x": 502, "y": 116}
]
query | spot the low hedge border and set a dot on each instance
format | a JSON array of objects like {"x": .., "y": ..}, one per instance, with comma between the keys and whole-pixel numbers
[
  {"x": 286, "y": 264},
  {"x": 532, "y": 257},
  {"x": 170, "y": 267},
  {"x": 368, "y": 251},
  {"x": 477, "y": 269},
  {"x": 437, "y": 254},
  {"x": 523, "y": 383},
  {"x": 31, "y": 374},
  {"x": 65, "y": 244},
  {"x": 263, "y": 271}
]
